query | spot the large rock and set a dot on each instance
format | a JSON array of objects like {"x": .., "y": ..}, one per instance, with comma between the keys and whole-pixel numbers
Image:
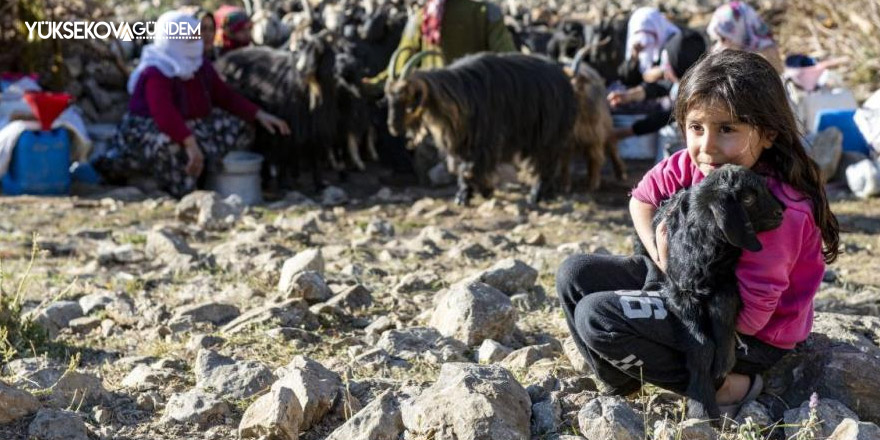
[
  {"x": 472, "y": 312},
  {"x": 380, "y": 420},
  {"x": 57, "y": 315},
  {"x": 546, "y": 416},
  {"x": 316, "y": 388},
  {"x": 214, "y": 312},
  {"x": 610, "y": 418},
  {"x": 510, "y": 276},
  {"x": 850, "y": 429},
  {"x": 53, "y": 379},
  {"x": 51, "y": 424},
  {"x": 197, "y": 407},
  {"x": 469, "y": 401},
  {"x": 354, "y": 297},
  {"x": 208, "y": 210},
  {"x": 829, "y": 413},
  {"x": 840, "y": 360},
  {"x": 290, "y": 313},
  {"x": 276, "y": 415},
  {"x": 165, "y": 246},
  {"x": 309, "y": 259},
  {"x": 424, "y": 343},
  {"x": 228, "y": 377},
  {"x": 308, "y": 285},
  {"x": 15, "y": 403}
]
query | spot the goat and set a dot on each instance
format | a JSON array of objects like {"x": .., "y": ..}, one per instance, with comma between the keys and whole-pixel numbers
[
  {"x": 593, "y": 127},
  {"x": 708, "y": 226},
  {"x": 488, "y": 109}
]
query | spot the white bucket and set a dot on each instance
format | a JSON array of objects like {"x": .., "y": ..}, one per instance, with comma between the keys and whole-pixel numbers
[
  {"x": 240, "y": 176},
  {"x": 635, "y": 147}
]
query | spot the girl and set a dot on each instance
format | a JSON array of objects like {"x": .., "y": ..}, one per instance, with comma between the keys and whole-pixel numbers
[{"x": 731, "y": 108}]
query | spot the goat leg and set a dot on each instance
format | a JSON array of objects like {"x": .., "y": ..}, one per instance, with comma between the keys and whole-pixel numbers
[
  {"x": 371, "y": 144},
  {"x": 354, "y": 154},
  {"x": 722, "y": 310},
  {"x": 616, "y": 161},
  {"x": 537, "y": 191},
  {"x": 595, "y": 158},
  {"x": 465, "y": 188}
]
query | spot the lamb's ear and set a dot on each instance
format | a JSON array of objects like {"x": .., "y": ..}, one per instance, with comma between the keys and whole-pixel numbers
[{"x": 734, "y": 223}]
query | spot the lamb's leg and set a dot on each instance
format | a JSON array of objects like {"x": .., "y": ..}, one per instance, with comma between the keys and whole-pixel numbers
[
  {"x": 701, "y": 389},
  {"x": 723, "y": 307}
]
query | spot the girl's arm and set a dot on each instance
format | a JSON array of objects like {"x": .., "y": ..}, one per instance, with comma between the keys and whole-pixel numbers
[{"x": 643, "y": 216}]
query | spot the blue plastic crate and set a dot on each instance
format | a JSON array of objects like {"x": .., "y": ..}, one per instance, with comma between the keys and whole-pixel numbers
[
  {"x": 40, "y": 164},
  {"x": 844, "y": 121}
]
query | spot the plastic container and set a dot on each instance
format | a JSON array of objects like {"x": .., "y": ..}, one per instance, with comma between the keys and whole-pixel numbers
[
  {"x": 642, "y": 147},
  {"x": 812, "y": 103},
  {"x": 240, "y": 175},
  {"x": 40, "y": 164},
  {"x": 844, "y": 121}
]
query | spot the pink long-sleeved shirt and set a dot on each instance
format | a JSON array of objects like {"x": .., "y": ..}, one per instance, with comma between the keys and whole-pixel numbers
[{"x": 777, "y": 284}]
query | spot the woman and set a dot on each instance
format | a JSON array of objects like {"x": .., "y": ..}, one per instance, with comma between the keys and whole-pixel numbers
[
  {"x": 233, "y": 28},
  {"x": 737, "y": 25},
  {"x": 647, "y": 32},
  {"x": 175, "y": 126}
]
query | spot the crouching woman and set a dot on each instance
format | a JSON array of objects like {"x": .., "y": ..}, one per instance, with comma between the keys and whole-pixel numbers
[{"x": 182, "y": 117}]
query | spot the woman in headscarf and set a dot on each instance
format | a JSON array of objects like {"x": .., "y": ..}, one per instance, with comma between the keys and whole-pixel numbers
[
  {"x": 737, "y": 25},
  {"x": 175, "y": 127},
  {"x": 647, "y": 32},
  {"x": 233, "y": 28}
]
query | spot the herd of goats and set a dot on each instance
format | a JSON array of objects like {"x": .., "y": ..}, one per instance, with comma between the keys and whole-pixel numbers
[{"x": 541, "y": 107}]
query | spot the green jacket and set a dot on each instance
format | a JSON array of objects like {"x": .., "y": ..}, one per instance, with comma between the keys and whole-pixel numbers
[{"x": 469, "y": 26}]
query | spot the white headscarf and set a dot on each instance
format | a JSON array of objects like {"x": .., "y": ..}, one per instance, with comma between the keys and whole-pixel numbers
[
  {"x": 174, "y": 57},
  {"x": 650, "y": 27}
]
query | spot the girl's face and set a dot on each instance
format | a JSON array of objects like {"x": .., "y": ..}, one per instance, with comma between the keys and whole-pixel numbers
[
  {"x": 715, "y": 138},
  {"x": 207, "y": 30}
]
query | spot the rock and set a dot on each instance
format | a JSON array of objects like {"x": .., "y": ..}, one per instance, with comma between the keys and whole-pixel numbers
[
  {"x": 198, "y": 342},
  {"x": 610, "y": 418},
  {"x": 470, "y": 401},
  {"x": 437, "y": 234},
  {"x": 145, "y": 377},
  {"x": 276, "y": 415},
  {"x": 546, "y": 416},
  {"x": 315, "y": 387},
  {"x": 197, "y": 407},
  {"x": 62, "y": 386},
  {"x": 380, "y": 325},
  {"x": 574, "y": 356},
  {"x": 524, "y": 357},
  {"x": 829, "y": 412},
  {"x": 109, "y": 254},
  {"x": 850, "y": 429},
  {"x": 421, "y": 343},
  {"x": 840, "y": 360},
  {"x": 380, "y": 228},
  {"x": 213, "y": 312},
  {"x": 95, "y": 301},
  {"x": 354, "y": 297},
  {"x": 308, "y": 285},
  {"x": 691, "y": 429},
  {"x": 118, "y": 305},
  {"x": 102, "y": 415},
  {"x": 228, "y": 377},
  {"x": 167, "y": 247},
  {"x": 492, "y": 351},
  {"x": 472, "y": 312},
  {"x": 15, "y": 403},
  {"x": 208, "y": 210},
  {"x": 413, "y": 282},
  {"x": 51, "y": 424},
  {"x": 379, "y": 420},
  {"x": 290, "y": 313},
  {"x": 755, "y": 411},
  {"x": 85, "y": 324},
  {"x": 58, "y": 315},
  {"x": 469, "y": 250},
  {"x": 510, "y": 276},
  {"x": 333, "y": 196},
  {"x": 307, "y": 260}
]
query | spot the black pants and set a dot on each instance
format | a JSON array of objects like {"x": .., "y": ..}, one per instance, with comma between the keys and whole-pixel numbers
[{"x": 626, "y": 334}]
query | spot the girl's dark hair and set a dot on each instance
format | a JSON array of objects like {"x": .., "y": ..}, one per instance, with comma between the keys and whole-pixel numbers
[{"x": 753, "y": 92}]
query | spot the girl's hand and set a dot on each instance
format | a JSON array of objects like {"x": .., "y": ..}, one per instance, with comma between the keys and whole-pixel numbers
[
  {"x": 662, "y": 245},
  {"x": 196, "y": 159},
  {"x": 271, "y": 123}
]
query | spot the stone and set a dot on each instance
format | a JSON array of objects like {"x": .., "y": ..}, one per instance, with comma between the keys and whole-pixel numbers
[
  {"x": 58, "y": 315},
  {"x": 145, "y": 377},
  {"x": 289, "y": 313},
  {"x": 756, "y": 411},
  {"x": 421, "y": 343},
  {"x": 276, "y": 415},
  {"x": 307, "y": 260},
  {"x": 354, "y": 297},
  {"x": 102, "y": 415},
  {"x": 15, "y": 403},
  {"x": 575, "y": 358},
  {"x": 51, "y": 424},
  {"x": 470, "y": 401},
  {"x": 437, "y": 234},
  {"x": 492, "y": 351},
  {"x": 208, "y": 210},
  {"x": 850, "y": 429},
  {"x": 469, "y": 251},
  {"x": 333, "y": 196},
  {"x": 196, "y": 407},
  {"x": 213, "y": 312},
  {"x": 379, "y": 420},
  {"x": 472, "y": 312},
  {"x": 199, "y": 341},
  {"x": 53, "y": 379},
  {"x": 829, "y": 411},
  {"x": 524, "y": 357},
  {"x": 308, "y": 285},
  {"x": 510, "y": 276},
  {"x": 610, "y": 418},
  {"x": 413, "y": 282},
  {"x": 546, "y": 416},
  {"x": 167, "y": 247},
  {"x": 230, "y": 378},
  {"x": 379, "y": 228},
  {"x": 84, "y": 324},
  {"x": 316, "y": 388}
]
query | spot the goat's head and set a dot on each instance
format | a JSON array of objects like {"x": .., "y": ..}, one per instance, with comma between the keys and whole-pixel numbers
[
  {"x": 741, "y": 205},
  {"x": 406, "y": 103},
  {"x": 315, "y": 59}
]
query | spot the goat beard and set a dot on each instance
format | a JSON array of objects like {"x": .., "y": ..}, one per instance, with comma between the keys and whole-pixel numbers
[{"x": 315, "y": 97}]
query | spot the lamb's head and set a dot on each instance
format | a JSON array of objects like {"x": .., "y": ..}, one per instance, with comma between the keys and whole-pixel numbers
[
  {"x": 741, "y": 205},
  {"x": 406, "y": 103}
]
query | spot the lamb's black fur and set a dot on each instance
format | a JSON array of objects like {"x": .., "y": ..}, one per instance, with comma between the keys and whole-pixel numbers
[
  {"x": 489, "y": 109},
  {"x": 708, "y": 226}
]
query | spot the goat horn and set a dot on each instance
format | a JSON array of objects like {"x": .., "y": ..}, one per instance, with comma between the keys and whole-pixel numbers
[
  {"x": 392, "y": 66},
  {"x": 417, "y": 58}
]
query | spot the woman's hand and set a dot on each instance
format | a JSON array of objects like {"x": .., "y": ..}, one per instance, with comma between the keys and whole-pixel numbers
[
  {"x": 271, "y": 123},
  {"x": 196, "y": 159},
  {"x": 662, "y": 245},
  {"x": 634, "y": 94}
]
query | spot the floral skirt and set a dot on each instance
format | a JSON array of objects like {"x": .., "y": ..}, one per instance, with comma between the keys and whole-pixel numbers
[{"x": 139, "y": 147}]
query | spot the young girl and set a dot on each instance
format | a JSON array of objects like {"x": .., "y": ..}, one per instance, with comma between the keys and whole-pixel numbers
[{"x": 731, "y": 108}]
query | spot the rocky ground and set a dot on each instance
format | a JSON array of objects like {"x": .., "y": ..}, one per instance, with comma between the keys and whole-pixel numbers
[{"x": 368, "y": 313}]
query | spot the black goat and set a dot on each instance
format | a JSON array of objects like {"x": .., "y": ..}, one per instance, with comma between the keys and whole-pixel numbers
[
  {"x": 489, "y": 109},
  {"x": 300, "y": 86},
  {"x": 708, "y": 225}
]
